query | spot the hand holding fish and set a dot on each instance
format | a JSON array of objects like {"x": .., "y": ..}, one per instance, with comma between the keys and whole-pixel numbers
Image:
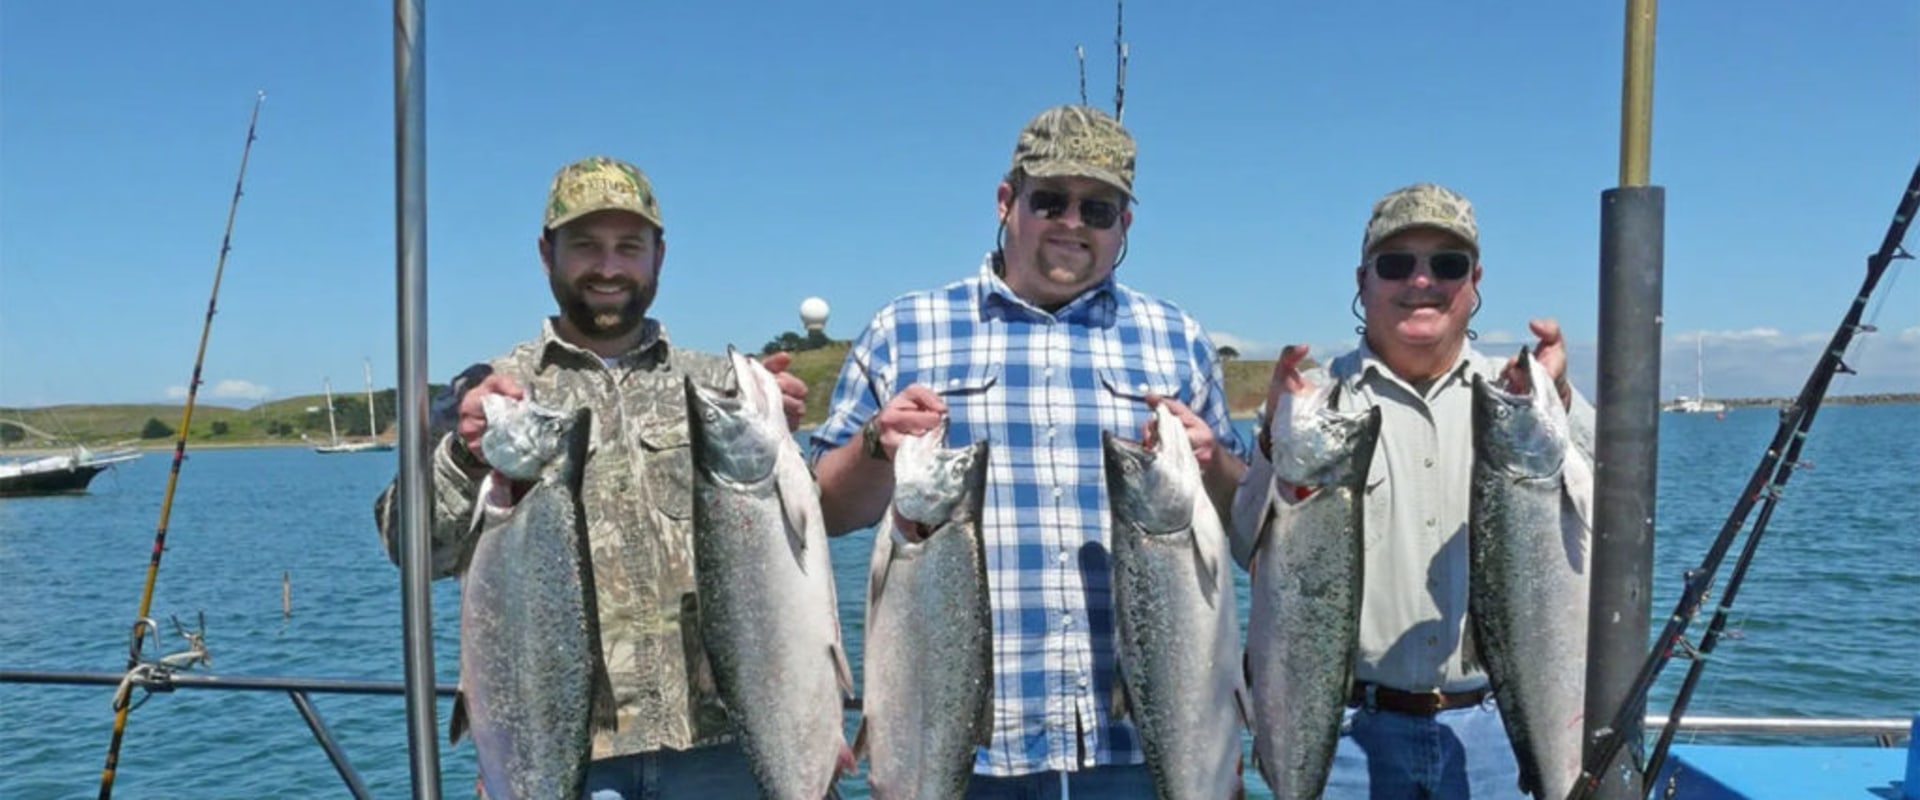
[
  {"x": 1198, "y": 433},
  {"x": 793, "y": 391},
  {"x": 1551, "y": 352},
  {"x": 473, "y": 415},
  {"x": 915, "y": 410},
  {"x": 1286, "y": 380}
]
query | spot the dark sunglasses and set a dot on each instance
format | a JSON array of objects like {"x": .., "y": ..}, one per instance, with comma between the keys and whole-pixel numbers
[
  {"x": 1447, "y": 265},
  {"x": 1095, "y": 212}
]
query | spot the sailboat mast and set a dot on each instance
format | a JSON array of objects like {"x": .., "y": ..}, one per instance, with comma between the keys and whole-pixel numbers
[
  {"x": 1700, "y": 367},
  {"x": 373, "y": 430},
  {"x": 333, "y": 432}
]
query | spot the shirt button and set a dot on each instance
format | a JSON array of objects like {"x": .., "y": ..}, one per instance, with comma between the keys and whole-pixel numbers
[
  {"x": 1430, "y": 522},
  {"x": 1429, "y": 462},
  {"x": 1433, "y": 641},
  {"x": 953, "y": 381},
  {"x": 1047, "y": 373},
  {"x": 1062, "y": 558},
  {"x": 1143, "y": 388},
  {"x": 1057, "y": 491},
  {"x": 1050, "y": 430},
  {"x": 1066, "y": 620},
  {"x": 1084, "y": 682}
]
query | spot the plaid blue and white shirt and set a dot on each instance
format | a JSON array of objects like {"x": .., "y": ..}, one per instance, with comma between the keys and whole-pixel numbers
[{"x": 1040, "y": 387}]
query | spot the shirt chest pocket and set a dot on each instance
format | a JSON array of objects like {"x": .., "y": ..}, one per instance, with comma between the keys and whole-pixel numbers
[
  {"x": 973, "y": 381},
  {"x": 668, "y": 465},
  {"x": 1131, "y": 385}
]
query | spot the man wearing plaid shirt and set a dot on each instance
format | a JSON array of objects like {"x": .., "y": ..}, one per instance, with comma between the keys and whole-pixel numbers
[{"x": 1038, "y": 353}]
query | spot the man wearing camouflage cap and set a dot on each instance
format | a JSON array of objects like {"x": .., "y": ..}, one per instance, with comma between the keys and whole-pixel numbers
[
  {"x": 1416, "y": 678},
  {"x": 602, "y": 244},
  {"x": 1038, "y": 353}
]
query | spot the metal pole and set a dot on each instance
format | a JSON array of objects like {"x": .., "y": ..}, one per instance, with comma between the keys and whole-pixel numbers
[
  {"x": 357, "y": 787},
  {"x": 416, "y": 486},
  {"x": 1636, "y": 94},
  {"x": 1632, "y": 243}
]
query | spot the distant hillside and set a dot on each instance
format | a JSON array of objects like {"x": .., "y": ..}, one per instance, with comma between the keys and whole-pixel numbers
[{"x": 283, "y": 421}]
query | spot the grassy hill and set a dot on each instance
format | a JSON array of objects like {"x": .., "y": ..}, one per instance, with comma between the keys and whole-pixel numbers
[{"x": 283, "y": 421}]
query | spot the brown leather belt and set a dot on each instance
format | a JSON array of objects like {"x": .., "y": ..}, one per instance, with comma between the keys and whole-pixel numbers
[{"x": 1425, "y": 704}]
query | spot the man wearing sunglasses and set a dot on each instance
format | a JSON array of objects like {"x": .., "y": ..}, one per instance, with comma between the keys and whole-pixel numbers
[
  {"x": 1037, "y": 353},
  {"x": 1421, "y": 722}
]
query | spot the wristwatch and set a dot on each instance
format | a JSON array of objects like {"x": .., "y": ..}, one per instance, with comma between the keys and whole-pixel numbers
[{"x": 870, "y": 440}]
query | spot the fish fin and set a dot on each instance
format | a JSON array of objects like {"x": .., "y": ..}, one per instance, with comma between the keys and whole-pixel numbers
[
  {"x": 700, "y": 672},
  {"x": 605, "y": 714},
  {"x": 799, "y": 515},
  {"x": 842, "y": 671},
  {"x": 457, "y": 726},
  {"x": 1119, "y": 706},
  {"x": 1206, "y": 556},
  {"x": 1240, "y": 703},
  {"x": 860, "y": 738}
]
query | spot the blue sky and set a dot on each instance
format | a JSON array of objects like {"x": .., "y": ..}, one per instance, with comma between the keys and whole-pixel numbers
[{"x": 850, "y": 151}]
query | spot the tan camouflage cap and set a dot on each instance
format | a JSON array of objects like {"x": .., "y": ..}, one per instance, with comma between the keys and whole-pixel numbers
[
  {"x": 599, "y": 183},
  {"x": 1079, "y": 141},
  {"x": 1422, "y": 205}
]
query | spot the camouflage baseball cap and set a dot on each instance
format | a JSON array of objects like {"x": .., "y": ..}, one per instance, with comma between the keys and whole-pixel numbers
[
  {"x": 1079, "y": 141},
  {"x": 1422, "y": 205},
  {"x": 599, "y": 183}
]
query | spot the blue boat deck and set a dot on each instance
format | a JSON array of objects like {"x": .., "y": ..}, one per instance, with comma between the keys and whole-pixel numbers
[{"x": 1736, "y": 772}]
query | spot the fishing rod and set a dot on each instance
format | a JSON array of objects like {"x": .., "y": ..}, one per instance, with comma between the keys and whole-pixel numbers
[
  {"x": 141, "y": 622},
  {"x": 1877, "y": 264},
  {"x": 1764, "y": 488}
]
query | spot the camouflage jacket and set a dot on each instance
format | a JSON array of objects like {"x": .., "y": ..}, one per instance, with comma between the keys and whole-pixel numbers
[{"x": 637, "y": 492}]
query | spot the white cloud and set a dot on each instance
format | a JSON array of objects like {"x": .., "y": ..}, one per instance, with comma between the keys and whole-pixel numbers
[{"x": 230, "y": 388}]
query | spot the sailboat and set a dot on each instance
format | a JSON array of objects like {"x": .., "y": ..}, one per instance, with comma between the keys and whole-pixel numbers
[
  {"x": 1698, "y": 403},
  {"x": 335, "y": 445}
]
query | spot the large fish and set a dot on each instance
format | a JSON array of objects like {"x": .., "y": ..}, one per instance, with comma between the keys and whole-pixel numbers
[
  {"x": 766, "y": 608},
  {"x": 1527, "y": 538},
  {"x": 929, "y": 634},
  {"x": 533, "y": 684},
  {"x": 1306, "y": 573},
  {"x": 1176, "y": 616}
]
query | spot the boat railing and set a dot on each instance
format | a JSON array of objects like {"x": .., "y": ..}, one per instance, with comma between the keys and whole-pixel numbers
[{"x": 1886, "y": 732}]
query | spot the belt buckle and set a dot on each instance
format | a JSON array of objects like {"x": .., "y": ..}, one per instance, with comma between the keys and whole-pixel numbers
[{"x": 1439, "y": 700}]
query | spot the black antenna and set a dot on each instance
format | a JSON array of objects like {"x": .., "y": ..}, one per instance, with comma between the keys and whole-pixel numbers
[
  {"x": 1120, "y": 68},
  {"x": 1080, "y": 55}
]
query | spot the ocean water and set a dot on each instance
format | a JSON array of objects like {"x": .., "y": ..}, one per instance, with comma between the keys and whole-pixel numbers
[{"x": 1828, "y": 622}]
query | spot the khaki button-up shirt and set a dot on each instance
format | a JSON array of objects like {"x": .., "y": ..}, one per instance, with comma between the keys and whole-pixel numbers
[{"x": 1413, "y": 609}]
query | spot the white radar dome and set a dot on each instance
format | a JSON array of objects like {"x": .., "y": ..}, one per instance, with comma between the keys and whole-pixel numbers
[{"x": 813, "y": 313}]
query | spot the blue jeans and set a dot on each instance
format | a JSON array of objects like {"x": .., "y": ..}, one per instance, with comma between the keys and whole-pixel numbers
[
  {"x": 1459, "y": 753},
  {"x": 1119, "y": 782},
  {"x": 717, "y": 771}
]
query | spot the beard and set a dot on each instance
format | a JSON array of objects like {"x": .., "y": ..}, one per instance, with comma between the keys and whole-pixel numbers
[{"x": 601, "y": 320}]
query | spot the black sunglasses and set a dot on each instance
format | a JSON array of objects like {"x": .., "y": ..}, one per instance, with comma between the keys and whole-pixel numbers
[
  {"x": 1447, "y": 265},
  {"x": 1095, "y": 212}
]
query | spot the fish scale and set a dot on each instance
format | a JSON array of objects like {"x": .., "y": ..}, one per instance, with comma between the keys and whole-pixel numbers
[
  {"x": 1304, "y": 615},
  {"x": 928, "y": 690},
  {"x": 1528, "y": 600},
  {"x": 532, "y": 680},
  {"x": 1175, "y": 615},
  {"x": 766, "y": 609}
]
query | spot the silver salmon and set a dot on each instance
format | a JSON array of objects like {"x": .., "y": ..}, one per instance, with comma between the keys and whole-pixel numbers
[
  {"x": 928, "y": 680},
  {"x": 533, "y": 684},
  {"x": 1528, "y": 600},
  {"x": 1306, "y": 573},
  {"x": 766, "y": 608},
  {"x": 1175, "y": 614}
]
